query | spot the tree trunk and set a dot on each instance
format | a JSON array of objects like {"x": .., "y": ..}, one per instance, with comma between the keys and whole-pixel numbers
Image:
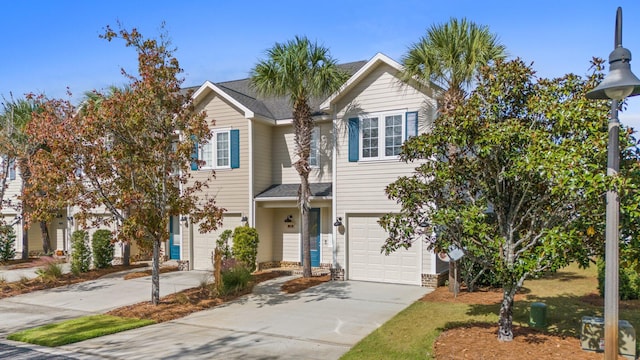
[
  {"x": 505, "y": 324},
  {"x": 46, "y": 241},
  {"x": 304, "y": 229},
  {"x": 155, "y": 273},
  {"x": 126, "y": 245},
  {"x": 25, "y": 240},
  {"x": 303, "y": 127},
  {"x": 126, "y": 253}
]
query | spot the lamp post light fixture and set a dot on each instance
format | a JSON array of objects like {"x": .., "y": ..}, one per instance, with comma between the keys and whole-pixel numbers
[{"x": 617, "y": 85}]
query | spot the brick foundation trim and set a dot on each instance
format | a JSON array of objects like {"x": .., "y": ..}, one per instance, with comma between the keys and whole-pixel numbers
[
  {"x": 432, "y": 281},
  {"x": 337, "y": 274}
]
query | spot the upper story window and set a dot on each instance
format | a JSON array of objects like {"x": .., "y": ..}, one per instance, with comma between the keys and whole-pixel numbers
[
  {"x": 314, "y": 154},
  {"x": 380, "y": 136},
  {"x": 222, "y": 151},
  {"x": 216, "y": 152},
  {"x": 8, "y": 165}
]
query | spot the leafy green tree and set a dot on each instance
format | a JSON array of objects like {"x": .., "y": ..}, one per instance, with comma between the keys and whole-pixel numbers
[
  {"x": 450, "y": 54},
  {"x": 245, "y": 246},
  {"x": 7, "y": 243},
  {"x": 80, "y": 252},
  {"x": 102, "y": 248},
  {"x": 301, "y": 70},
  {"x": 129, "y": 150},
  {"x": 514, "y": 176}
]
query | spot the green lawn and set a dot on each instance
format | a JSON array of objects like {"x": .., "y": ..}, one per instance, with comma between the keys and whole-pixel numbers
[
  {"x": 411, "y": 333},
  {"x": 79, "y": 329}
]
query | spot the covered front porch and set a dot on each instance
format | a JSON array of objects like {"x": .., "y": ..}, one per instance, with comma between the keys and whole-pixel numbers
[{"x": 277, "y": 219}]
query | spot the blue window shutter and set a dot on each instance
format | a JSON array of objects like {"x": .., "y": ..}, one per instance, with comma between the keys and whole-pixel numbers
[
  {"x": 354, "y": 139},
  {"x": 235, "y": 148},
  {"x": 411, "y": 126},
  {"x": 194, "y": 154}
]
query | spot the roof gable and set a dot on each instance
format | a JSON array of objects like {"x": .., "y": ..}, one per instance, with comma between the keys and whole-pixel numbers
[
  {"x": 243, "y": 96},
  {"x": 361, "y": 74},
  {"x": 211, "y": 87}
]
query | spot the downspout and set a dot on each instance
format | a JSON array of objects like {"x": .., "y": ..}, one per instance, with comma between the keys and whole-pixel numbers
[
  {"x": 334, "y": 201},
  {"x": 251, "y": 218}
]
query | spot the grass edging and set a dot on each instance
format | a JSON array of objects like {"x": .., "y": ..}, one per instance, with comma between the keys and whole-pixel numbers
[{"x": 79, "y": 329}]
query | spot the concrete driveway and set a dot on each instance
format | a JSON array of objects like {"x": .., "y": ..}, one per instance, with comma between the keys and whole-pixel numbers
[{"x": 320, "y": 323}]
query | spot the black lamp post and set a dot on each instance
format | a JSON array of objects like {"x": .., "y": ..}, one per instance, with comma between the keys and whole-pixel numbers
[{"x": 617, "y": 85}]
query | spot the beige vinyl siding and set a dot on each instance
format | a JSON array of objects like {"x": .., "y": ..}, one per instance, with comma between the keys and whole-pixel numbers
[
  {"x": 359, "y": 187},
  {"x": 265, "y": 223},
  {"x": 230, "y": 187},
  {"x": 12, "y": 192},
  {"x": 284, "y": 150},
  {"x": 262, "y": 145},
  {"x": 326, "y": 228},
  {"x": 290, "y": 244}
]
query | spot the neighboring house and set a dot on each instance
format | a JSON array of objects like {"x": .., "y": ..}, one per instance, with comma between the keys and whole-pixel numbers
[
  {"x": 359, "y": 131},
  {"x": 12, "y": 215}
]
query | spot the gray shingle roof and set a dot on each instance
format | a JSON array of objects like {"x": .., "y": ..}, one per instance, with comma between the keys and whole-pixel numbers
[
  {"x": 291, "y": 190},
  {"x": 277, "y": 108}
]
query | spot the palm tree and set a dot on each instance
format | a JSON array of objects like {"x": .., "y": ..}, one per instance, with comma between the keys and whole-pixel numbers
[
  {"x": 17, "y": 148},
  {"x": 299, "y": 69},
  {"x": 450, "y": 55}
]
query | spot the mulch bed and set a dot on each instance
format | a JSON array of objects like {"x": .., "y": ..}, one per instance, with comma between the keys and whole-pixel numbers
[
  {"x": 185, "y": 302},
  {"x": 139, "y": 274},
  {"x": 479, "y": 341},
  {"x": 298, "y": 284},
  {"x": 35, "y": 284}
]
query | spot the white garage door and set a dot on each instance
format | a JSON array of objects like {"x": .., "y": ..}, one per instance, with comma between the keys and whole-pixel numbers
[
  {"x": 367, "y": 263},
  {"x": 204, "y": 244}
]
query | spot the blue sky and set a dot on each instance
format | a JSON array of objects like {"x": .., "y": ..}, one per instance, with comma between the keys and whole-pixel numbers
[{"x": 48, "y": 46}]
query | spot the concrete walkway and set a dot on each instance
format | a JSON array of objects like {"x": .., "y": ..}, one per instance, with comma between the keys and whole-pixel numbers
[
  {"x": 27, "y": 273},
  {"x": 320, "y": 323}
]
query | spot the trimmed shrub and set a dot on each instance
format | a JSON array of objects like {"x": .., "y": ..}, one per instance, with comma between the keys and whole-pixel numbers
[
  {"x": 222, "y": 244},
  {"x": 80, "y": 252},
  {"x": 245, "y": 245},
  {"x": 102, "y": 246},
  {"x": 628, "y": 281},
  {"x": 235, "y": 280},
  {"x": 7, "y": 243}
]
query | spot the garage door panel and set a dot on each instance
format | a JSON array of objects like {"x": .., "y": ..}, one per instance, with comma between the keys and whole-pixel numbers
[
  {"x": 204, "y": 244},
  {"x": 366, "y": 262}
]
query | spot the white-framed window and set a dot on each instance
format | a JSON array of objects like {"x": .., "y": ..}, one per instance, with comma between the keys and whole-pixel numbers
[
  {"x": 216, "y": 153},
  {"x": 379, "y": 136},
  {"x": 314, "y": 154},
  {"x": 222, "y": 151}
]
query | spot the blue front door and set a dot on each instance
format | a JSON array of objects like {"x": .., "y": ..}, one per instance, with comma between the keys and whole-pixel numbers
[
  {"x": 314, "y": 235},
  {"x": 174, "y": 238}
]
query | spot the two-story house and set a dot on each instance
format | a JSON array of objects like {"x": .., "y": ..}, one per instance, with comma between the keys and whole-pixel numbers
[{"x": 358, "y": 134}]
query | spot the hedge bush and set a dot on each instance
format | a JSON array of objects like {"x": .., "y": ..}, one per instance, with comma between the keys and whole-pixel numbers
[
  {"x": 245, "y": 245},
  {"x": 80, "y": 252},
  {"x": 628, "y": 281},
  {"x": 7, "y": 243},
  {"x": 102, "y": 246}
]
